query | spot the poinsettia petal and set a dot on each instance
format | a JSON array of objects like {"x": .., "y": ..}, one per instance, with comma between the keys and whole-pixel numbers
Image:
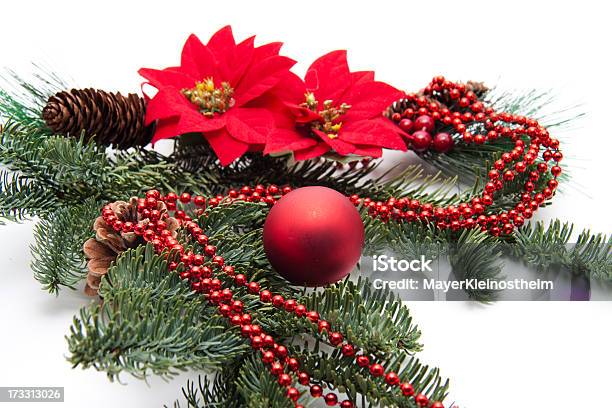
[
  {"x": 388, "y": 124},
  {"x": 329, "y": 76},
  {"x": 287, "y": 140},
  {"x": 262, "y": 77},
  {"x": 166, "y": 77},
  {"x": 370, "y": 132},
  {"x": 165, "y": 129},
  {"x": 369, "y": 151},
  {"x": 222, "y": 40},
  {"x": 267, "y": 50},
  {"x": 250, "y": 125},
  {"x": 197, "y": 59},
  {"x": 369, "y": 99},
  {"x": 225, "y": 146},
  {"x": 166, "y": 103},
  {"x": 302, "y": 114},
  {"x": 193, "y": 121},
  {"x": 311, "y": 152},
  {"x": 359, "y": 77},
  {"x": 243, "y": 57},
  {"x": 290, "y": 89},
  {"x": 341, "y": 147},
  {"x": 223, "y": 47}
]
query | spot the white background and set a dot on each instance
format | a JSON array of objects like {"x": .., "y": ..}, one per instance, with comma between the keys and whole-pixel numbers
[{"x": 509, "y": 354}]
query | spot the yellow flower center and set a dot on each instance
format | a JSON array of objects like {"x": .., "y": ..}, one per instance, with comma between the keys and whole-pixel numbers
[
  {"x": 330, "y": 115},
  {"x": 208, "y": 99}
]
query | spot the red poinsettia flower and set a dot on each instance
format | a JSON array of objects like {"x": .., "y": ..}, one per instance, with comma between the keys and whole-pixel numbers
[
  {"x": 215, "y": 91},
  {"x": 335, "y": 110}
]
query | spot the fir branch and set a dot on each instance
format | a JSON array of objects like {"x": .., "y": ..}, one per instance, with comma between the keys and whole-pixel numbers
[
  {"x": 549, "y": 247},
  {"x": 22, "y": 99},
  {"x": 258, "y": 388},
  {"x": 145, "y": 326},
  {"x": 21, "y": 198},
  {"x": 57, "y": 253},
  {"x": 476, "y": 255},
  {"x": 218, "y": 392}
]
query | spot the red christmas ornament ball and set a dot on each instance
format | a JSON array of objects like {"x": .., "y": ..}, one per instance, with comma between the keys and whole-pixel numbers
[
  {"x": 313, "y": 236},
  {"x": 443, "y": 142},
  {"x": 421, "y": 141}
]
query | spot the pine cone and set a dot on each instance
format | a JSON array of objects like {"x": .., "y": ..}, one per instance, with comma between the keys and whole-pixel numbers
[
  {"x": 108, "y": 244},
  {"x": 110, "y": 119}
]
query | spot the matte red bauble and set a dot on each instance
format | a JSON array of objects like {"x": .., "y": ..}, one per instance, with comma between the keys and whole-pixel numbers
[{"x": 313, "y": 236}]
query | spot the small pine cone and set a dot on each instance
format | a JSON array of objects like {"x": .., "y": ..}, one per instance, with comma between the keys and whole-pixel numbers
[
  {"x": 108, "y": 244},
  {"x": 479, "y": 88},
  {"x": 111, "y": 119}
]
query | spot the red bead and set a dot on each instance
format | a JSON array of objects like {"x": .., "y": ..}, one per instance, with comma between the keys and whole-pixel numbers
[
  {"x": 265, "y": 296},
  {"x": 293, "y": 393},
  {"x": 363, "y": 361},
  {"x": 335, "y": 338},
  {"x": 323, "y": 325},
  {"x": 281, "y": 351},
  {"x": 421, "y": 141},
  {"x": 253, "y": 287},
  {"x": 346, "y": 404},
  {"x": 406, "y": 125},
  {"x": 303, "y": 378},
  {"x": 313, "y": 316},
  {"x": 210, "y": 250},
  {"x": 278, "y": 301},
  {"x": 421, "y": 400},
  {"x": 268, "y": 341},
  {"x": 256, "y": 342},
  {"x": 185, "y": 198},
  {"x": 407, "y": 389},
  {"x": 316, "y": 390},
  {"x": 443, "y": 142},
  {"x": 276, "y": 368},
  {"x": 292, "y": 363},
  {"x": 348, "y": 350},
  {"x": 290, "y": 305},
  {"x": 284, "y": 380},
  {"x": 377, "y": 370},
  {"x": 392, "y": 379},
  {"x": 331, "y": 399},
  {"x": 171, "y": 197},
  {"x": 437, "y": 404},
  {"x": 199, "y": 201},
  {"x": 267, "y": 357},
  {"x": 240, "y": 279},
  {"x": 424, "y": 122}
]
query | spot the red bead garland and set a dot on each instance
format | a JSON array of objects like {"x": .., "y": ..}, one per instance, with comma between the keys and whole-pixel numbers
[
  {"x": 202, "y": 280},
  {"x": 422, "y": 117}
]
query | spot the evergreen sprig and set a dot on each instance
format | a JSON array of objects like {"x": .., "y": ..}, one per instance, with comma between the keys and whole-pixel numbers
[
  {"x": 150, "y": 322},
  {"x": 57, "y": 253},
  {"x": 545, "y": 247}
]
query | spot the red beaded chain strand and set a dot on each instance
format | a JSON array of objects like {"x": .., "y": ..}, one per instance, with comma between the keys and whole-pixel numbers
[
  {"x": 202, "y": 279},
  {"x": 423, "y": 116}
]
